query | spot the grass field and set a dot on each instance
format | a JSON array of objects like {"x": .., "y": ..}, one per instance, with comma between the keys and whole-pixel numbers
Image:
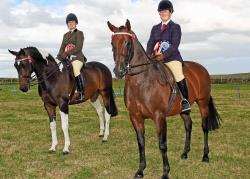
[{"x": 25, "y": 140}]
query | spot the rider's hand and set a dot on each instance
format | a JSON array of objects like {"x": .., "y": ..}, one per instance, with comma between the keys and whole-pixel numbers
[
  {"x": 159, "y": 56},
  {"x": 64, "y": 55}
]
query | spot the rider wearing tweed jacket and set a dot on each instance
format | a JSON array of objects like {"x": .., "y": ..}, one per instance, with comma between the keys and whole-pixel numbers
[{"x": 71, "y": 48}]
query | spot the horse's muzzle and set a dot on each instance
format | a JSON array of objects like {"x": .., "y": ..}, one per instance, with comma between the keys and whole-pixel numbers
[
  {"x": 120, "y": 74},
  {"x": 24, "y": 88}
]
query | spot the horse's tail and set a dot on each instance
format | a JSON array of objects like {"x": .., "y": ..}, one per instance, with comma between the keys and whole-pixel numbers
[
  {"x": 214, "y": 120},
  {"x": 111, "y": 106}
]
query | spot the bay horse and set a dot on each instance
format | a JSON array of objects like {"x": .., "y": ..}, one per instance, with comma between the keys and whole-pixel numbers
[
  {"x": 57, "y": 87},
  {"x": 146, "y": 95}
]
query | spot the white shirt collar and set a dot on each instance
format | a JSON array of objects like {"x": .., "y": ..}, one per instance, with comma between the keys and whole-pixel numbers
[
  {"x": 72, "y": 30},
  {"x": 166, "y": 23}
]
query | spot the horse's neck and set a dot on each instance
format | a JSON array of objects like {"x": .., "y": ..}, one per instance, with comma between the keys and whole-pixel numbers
[
  {"x": 47, "y": 74},
  {"x": 140, "y": 56}
]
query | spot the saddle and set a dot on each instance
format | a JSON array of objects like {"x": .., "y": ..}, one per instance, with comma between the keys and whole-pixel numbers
[{"x": 166, "y": 77}]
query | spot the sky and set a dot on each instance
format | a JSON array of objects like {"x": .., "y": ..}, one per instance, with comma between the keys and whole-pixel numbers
[{"x": 214, "y": 33}]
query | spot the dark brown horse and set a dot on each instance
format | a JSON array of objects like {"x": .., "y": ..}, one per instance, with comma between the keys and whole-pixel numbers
[
  {"x": 147, "y": 96},
  {"x": 57, "y": 88}
]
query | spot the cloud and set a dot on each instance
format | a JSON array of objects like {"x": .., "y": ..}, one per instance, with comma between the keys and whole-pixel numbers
[{"x": 212, "y": 30}]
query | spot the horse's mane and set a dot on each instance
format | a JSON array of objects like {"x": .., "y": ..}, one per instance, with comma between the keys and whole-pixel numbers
[{"x": 36, "y": 54}]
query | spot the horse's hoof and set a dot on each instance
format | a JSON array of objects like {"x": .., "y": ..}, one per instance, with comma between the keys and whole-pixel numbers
[
  {"x": 65, "y": 152},
  {"x": 52, "y": 151},
  {"x": 104, "y": 140},
  {"x": 184, "y": 156},
  {"x": 138, "y": 175},
  {"x": 205, "y": 159},
  {"x": 164, "y": 177}
]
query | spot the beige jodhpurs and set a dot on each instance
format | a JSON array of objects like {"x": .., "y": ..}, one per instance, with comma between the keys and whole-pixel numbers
[
  {"x": 77, "y": 65},
  {"x": 176, "y": 68}
]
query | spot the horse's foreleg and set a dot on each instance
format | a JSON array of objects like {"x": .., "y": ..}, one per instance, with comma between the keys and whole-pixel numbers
[
  {"x": 161, "y": 127},
  {"x": 51, "y": 110},
  {"x": 65, "y": 126},
  {"x": 100, "y": 112},
  {"x": 188, "y": 128},
  {"x": 138, "y": 124}
]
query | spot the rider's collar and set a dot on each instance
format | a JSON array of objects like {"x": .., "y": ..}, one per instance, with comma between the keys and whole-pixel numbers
[
  {"x": 73, "y": 30},
  {"x": 166, "y": 23}
]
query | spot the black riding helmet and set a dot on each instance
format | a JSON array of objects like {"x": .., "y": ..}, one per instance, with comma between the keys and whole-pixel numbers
[
  {"x": 165, "y": 5},
  {"x": 71, "y": 17}
]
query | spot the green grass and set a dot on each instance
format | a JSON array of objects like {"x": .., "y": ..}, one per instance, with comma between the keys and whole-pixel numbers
[{"x": 25, "y": 140}]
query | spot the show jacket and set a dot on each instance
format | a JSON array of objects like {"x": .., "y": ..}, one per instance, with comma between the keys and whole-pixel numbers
[
  {"x": 76, "y": 38},
  {"x": 170, "y": 34}
]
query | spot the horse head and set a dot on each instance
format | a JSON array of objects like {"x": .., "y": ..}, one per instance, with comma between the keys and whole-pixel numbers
[
  {"x": 122, "y": 46},
  {"x": 27, "y": 61}
]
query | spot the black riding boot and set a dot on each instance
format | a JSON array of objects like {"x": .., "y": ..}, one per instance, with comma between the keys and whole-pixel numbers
[
  {"x": 184, "y": 91},
  {"x": 80, "y": 86}
]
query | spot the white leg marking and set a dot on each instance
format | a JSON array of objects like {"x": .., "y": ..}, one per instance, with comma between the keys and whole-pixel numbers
[
  {"x": 65, "y": 128},
  {"x": 107, "y": 119},
  {"x": 100, "y": 111},
  {"x": 53, "y": 136}
]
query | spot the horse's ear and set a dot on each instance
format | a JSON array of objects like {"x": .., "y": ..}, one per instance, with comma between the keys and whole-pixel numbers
[
  {"x": 13, "y": 52},
  {"x": 128, "y": 25},
  {"x": 22, "y": 52},
  {"x": 112, "y": 27}
]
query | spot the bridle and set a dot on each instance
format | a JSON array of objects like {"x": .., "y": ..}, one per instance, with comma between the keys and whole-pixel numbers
[
  {"x": 30, "y": 60},
  {"x": 128, "y": 67}
]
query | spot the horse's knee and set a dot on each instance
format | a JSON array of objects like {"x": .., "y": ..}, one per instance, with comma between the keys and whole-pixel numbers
[
  {"x": 204, "y": 110},
  {"x": 107, "y": 116},
  {"x": 65, "y": 120},
  {"x": 64, "y": 107},
  {"x": 98, "y": 107},
  {"x": 52, "y": 119}
]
